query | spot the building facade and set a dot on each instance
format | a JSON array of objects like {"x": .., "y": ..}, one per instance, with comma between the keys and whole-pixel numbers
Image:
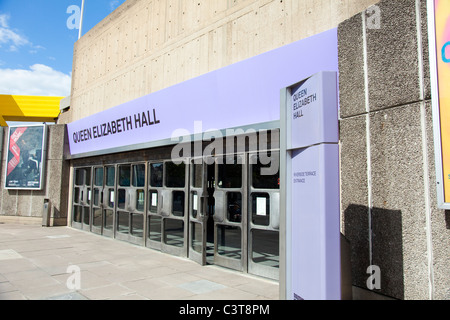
[{"x": 221, "y": 210}]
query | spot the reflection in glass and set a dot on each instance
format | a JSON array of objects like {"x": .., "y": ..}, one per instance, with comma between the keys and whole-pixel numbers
[
  {"x": 260, "y": 209},
  {"x": 137, "y": 225},
  {"x": 178, "y": 203},
  {"x": 262, "y": 181},
  {"x": 154, "y": 230},
  {"x": 96, "y": 197},
  {"x": 197, "y": 237},
  {"x": 110, "y": 176},
  {"x": 123, "y": 223},
  {"x": 138, "y": 175},
  {"x": 76, "y": 195},
  {"x": 197, "y": 175},
  {"x": 97, "y": 217},
  {"x": 234, "y": 206},
  {"x": 124, "y": 175},
  {"x": 79, "y": 177},
  {"x": 175, "y": 175},
  {"x": 156, "y": 175},
  {"x": 86, "y": 215},
  {"x": 77, "y": 213},
  {"x": 98, "y": 180},
  {"x": 229, "y": 241},
  {"x": 109, "y": 216},
  {"x": 230, "y": 175},
  {"x": 265, "y": 247},
  {"x": 121, "y": 198},
  {"x": 174, "y": 232}
]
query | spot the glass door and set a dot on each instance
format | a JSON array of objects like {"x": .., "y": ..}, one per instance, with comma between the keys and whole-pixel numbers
[
  {"x": 198, "y": 215},
  {"x": 109, "y": 200},
  {"x": 154, "y": 216},
  {"x": 264, "y": 218},
  {"x": 131, "y": 196},
  {"x": 174, "y": 200},
  {"x": 81, "y": 213},
  {"x": 230, "y": 207}
]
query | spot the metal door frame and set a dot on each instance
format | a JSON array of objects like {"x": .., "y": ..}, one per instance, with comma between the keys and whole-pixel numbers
[
  {"x": 130, "y": 205},
  {"x": 197, "y": 199},
  {"x": 274, "y": 220},
  {"x": 84, "y": 199},
  {"x": 166, "y": 201},
  {"x": 220, "y": 214}
]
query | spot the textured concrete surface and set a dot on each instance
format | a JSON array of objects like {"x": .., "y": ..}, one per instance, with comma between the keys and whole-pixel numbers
[{"x": 35, "y": 261}]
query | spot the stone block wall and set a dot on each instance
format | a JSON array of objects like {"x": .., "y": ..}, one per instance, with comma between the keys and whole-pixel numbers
[{"x": 389, "y": 208}]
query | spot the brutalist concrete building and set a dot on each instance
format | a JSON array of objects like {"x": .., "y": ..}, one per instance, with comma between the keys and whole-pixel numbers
[{"x": 176, "y": 110}]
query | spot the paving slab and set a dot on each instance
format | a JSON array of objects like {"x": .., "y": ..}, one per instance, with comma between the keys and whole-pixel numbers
[{"x": 62, "y": 263}]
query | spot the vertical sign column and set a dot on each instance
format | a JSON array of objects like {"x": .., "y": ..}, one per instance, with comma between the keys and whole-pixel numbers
[{"x": 312, "y": 209}]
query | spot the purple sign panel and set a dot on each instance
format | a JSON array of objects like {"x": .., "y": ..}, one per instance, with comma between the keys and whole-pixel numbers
[{"x": 241, "y": 94}]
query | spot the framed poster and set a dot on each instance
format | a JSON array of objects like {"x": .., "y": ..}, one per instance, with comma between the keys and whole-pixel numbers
[
  {"x": 439, "y": 41},
  {"x": 25, "y": 157}
]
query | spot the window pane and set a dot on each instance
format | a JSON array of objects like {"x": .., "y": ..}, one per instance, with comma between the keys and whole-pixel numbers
[
  {"x": 123, "y": 223},
  {"x": 110, "y": 176},
  {"x": 154, "y": 232},
  {"x": 234, "y": 205},
  {"x": 174, "y": 232},
  {"x": 121, "y": 198},
  {"x": 97, "y": 216},
  {"x": 110, "y": 197},
  {"x": 77, "y": 210},
  {"x": 175, "y": 175},
  {"x": 109, "y": 215},
  {"x": 194, "y": 204},
  {"x": 197, "y": 237},
  {"x": 139, "y": 175},
  {"x": 198, "y": 175},
  {"x": 76, "y": 195},
  {"x": 262, "y": 181},
  {"x": 230, "y": 175},
  {"x": 124, "y": 175},
  {"x": 156, "y": 175},
  {"x": 98, "y": 181},
  {"x": 137, "y": 225},
  {"x": 86, "y": 215},
  {"x": 261, "y": 209},
  {"x": 265, "y": 247},
  {"x": 96, "y": 197},
  {"x": 79, "y": 177},
  {"x": 229, "y": 241},
  {"x": 87, "y": 182},
  {"x": 178, "y": 203}
]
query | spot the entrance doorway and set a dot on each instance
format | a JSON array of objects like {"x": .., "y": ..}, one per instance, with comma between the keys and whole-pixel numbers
[{"x": 221, "y": 210}]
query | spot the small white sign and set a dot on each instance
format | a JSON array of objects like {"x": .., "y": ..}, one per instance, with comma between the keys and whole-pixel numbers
[
  {"x": 154, "y": 199},
  {"x": 261, "y": 203},
  {"x": 195, "y": 202}
]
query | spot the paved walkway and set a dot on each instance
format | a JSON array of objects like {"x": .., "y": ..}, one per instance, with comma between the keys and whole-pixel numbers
[{"x": 41, "y": 264}]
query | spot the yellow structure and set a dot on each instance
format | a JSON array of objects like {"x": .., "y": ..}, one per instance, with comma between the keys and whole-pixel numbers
[{"x": 28, "y": 108}]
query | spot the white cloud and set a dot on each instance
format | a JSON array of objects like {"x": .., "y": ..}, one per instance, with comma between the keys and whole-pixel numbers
[
  {"x": 9, "y": 36},
  {"x": 39, "y": 80}
]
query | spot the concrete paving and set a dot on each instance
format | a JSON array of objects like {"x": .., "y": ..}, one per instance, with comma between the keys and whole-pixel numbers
[{"x": 66, "y": 264}]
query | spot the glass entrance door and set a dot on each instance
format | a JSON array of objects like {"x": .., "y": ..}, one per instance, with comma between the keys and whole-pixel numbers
[
  {"x": 198, "y": 215},
  {"x": 97, "y": 201},
  {"x": 131, "y": 195},
  {"x": 263, "y": 213},
  {"x": 230, "y": 207},
  {"x": 81, "y": 210}
]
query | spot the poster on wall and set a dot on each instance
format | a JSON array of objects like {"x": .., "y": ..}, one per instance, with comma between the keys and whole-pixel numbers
[
  {"x": 439, "y": 41},
  {"x": 25, "y": 157}
]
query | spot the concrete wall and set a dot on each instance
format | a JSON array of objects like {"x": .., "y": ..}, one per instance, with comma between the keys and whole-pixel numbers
[
  {"x": 389, "y": 206},
  {"x": 147, "y": 45},
  {"x": 26, "y": 207}
]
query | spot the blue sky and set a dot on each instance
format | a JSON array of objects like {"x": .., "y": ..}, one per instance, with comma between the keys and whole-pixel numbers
[{"x": 36, "y": 43}]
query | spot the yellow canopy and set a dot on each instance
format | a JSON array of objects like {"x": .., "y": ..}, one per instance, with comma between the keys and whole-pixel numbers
[{"x": 28, "y": 108}]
